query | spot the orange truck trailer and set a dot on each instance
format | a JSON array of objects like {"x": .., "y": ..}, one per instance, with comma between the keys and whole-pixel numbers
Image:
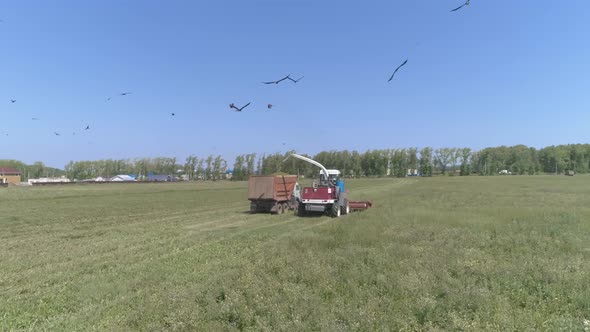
[{"x": 276, "y": 194}]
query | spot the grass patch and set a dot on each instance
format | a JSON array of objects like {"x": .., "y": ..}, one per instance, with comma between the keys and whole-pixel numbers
[{"x": 456, "y": 253}]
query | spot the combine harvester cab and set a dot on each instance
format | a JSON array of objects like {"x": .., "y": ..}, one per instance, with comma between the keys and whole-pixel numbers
[
  {"x": 328, "y": 195},
  {"x": 275, "y": 194}
]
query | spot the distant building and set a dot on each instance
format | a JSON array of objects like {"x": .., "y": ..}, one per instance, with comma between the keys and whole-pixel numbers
[
  {"x": 122, "y": 178},
  {"x": 9, "y": 175},
  {"x": 62, "y": 179},
  {"x": 412, "y": 172},
  {"x": 160, "y": 178}
]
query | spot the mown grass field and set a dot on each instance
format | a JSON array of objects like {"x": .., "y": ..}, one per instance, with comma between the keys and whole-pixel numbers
[{"x": 448, "y": 253}]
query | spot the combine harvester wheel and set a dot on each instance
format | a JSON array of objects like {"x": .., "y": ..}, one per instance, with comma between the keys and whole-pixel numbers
[
  {"x": 346, "y": 207},
  {"x": 336, "y": 211}
]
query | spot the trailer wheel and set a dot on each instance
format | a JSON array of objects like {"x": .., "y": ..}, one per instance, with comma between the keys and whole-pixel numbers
[
  {"x": 335, "y": 210},
  {"x": 279, "y": 208},
  {"x": 285, "y": 207}
]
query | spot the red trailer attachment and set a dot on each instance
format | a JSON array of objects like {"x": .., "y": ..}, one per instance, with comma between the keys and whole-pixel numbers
[{"x": 359, "y": 205}]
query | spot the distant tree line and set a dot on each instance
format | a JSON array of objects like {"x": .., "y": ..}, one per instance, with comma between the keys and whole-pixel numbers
[
  {"x": 210, "y": 168},
  {"x": 427, "y": 161}
]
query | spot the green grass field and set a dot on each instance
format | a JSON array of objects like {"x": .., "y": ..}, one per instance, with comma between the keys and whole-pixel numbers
[{"x": 447, "y": 253}]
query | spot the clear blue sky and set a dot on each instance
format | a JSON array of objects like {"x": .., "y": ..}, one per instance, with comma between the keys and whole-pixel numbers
[{"x": 494, "y": 73}]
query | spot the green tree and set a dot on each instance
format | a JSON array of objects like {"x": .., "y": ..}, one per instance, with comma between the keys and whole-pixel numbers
[
  {"x": 238, "y": 172},
  {"x": 426, "y": 161},
  {"x": 442, "y": 158},
  {"x": 209, "y": 168},
  {"x": 190, "y": 166},
  {"x": 465, "y": 161}
]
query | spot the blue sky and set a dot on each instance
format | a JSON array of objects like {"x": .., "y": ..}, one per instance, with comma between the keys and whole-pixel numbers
[{"x": 494, "y": 73}]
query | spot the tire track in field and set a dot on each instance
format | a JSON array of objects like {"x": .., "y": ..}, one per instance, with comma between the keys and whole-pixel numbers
[
  {"x": 215, "y": 208},
  {"x": 306, "y": 228},
  {"x": 107, "y": 222},
  {"x": 245, "y": 231},
  {"x": 137, "y": 257},
  {"x": 202, "y": 219},
  {"x": 260, "y": 226},
  {"x": 383, "y": 187},
  {"x": 100, "y": 248},
  {"x": 110, "y": 223}
]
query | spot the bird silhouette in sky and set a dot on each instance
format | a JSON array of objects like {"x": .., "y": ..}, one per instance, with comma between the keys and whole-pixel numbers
[
  {"x": 125, "y": 93},
  {"x": 295, "y": 81},
  {"x": 87, "y": 127},
  {"x": 278, "y": 81},
  {"x": 238, "y": 109},
  {"x": 396, "y": 69},
  {"x": 13, "y": 101},
  {"x": 56, "y": 133},
  {"x": 269, "y": 106},
  {"x": 463, "y": 5}
]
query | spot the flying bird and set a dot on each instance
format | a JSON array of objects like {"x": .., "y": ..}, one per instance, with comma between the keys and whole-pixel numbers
[
  {"x": 87, "y": 127},
  {"x": 56, "y": 133},
  {"x": 109, "y": 98},
  {"x": 297, "y": 80},
  {"x": 279, "y": 81},
  {"x": 173, "y": 114},
  {"x": 396, "y": 69},
  {"x": 236, "y": 108},
  {"x": 125, "y": 93},
  {"x": 269, "y": 106},
  {"x": 463, "y": 5},
  {"x": 13, "y": 101}
]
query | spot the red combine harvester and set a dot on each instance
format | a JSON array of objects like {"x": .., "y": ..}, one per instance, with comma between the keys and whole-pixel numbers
[{"x": 328, "y": 195}]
